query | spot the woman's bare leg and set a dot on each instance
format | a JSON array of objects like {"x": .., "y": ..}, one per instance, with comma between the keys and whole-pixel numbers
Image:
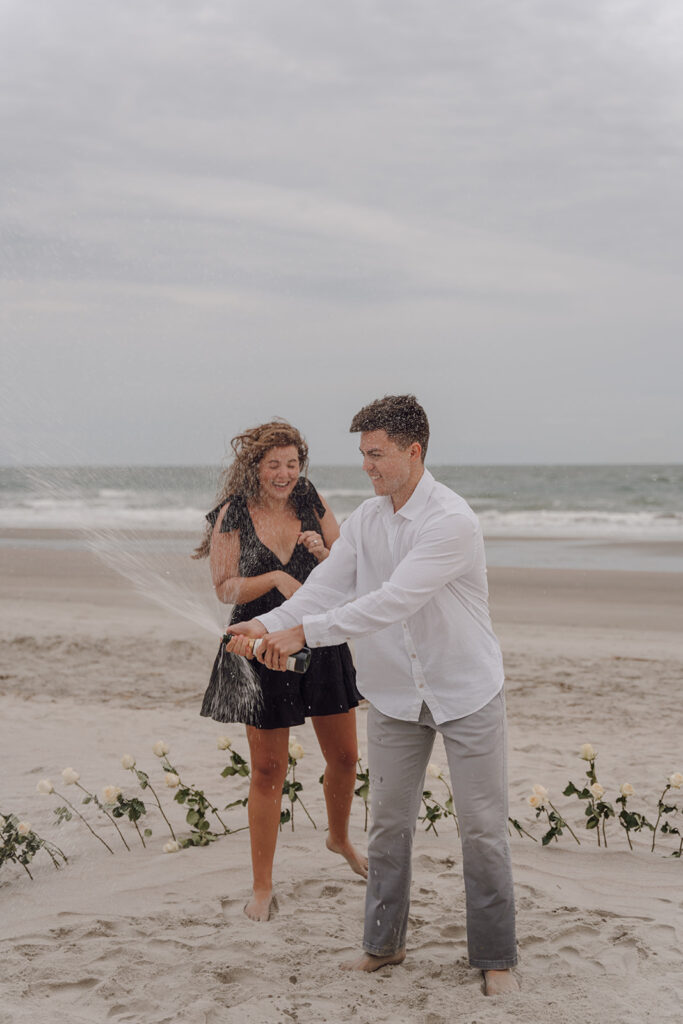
[
  {"x": 269, "y": 753},
  {"x": 337, "y": 737}
]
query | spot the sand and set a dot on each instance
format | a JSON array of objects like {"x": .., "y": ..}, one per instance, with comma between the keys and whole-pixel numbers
[{"x": 90, "y": 670}]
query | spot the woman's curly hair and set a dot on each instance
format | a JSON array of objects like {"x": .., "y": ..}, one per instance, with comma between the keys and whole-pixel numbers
[{"x": 241, "y": 476}]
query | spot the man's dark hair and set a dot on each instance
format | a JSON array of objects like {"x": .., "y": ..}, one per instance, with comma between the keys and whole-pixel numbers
[{"x": 400, "y": 416}]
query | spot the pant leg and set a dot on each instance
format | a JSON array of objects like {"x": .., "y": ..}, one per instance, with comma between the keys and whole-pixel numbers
[
  {"x": 398, "y": 753},
  {"x": 476, "y": 748}
]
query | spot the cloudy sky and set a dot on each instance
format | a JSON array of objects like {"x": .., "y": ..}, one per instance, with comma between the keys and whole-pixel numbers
[{"x": 216, "y": 212}]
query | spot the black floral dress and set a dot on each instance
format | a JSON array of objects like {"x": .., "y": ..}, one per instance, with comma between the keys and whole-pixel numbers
[{"x": 328, "y": 687}]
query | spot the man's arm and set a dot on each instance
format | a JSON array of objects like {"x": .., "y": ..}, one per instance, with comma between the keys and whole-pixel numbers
[
  {"x": 443, "y": 552},
  {"x": 331, "y": 583}
]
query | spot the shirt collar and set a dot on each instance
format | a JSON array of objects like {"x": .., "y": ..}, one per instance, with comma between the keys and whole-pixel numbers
[{"x": 418, "y": 499}]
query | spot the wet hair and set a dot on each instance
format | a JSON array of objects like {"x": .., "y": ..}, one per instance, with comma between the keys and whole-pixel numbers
[
  {"x": 400, "y": 416},
  {"x": 242, "y": 475}
]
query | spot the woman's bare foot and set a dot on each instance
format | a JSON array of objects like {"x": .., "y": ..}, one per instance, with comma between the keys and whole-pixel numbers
[
  {"x": 499, "y": 983},
  {"x": 348, "y": 851},
  {"x": 368, "y": 962},
  {"x": 261, "y": 906}
]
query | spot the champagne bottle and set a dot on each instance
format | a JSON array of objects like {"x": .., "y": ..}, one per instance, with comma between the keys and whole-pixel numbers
[{"x": 298, "y": 662}]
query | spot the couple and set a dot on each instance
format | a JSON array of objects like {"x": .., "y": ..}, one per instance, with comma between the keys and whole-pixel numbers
[{"x": 406, "y": 581}]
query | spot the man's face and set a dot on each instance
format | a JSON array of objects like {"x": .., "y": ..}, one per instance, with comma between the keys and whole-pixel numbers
[{"x": 388, "y": 466}]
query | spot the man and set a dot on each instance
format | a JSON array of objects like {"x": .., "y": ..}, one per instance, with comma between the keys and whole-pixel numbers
[{"x": 406, "y": 581}]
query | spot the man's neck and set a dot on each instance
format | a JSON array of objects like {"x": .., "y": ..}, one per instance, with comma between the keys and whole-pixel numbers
[{"x": 399, "y": 499}]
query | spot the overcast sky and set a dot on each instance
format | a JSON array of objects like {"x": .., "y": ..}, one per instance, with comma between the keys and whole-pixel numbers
[{"x": 216, "y": 212}]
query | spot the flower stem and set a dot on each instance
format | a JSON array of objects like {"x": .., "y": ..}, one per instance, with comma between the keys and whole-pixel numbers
[
  {"x": 137, "y": 829},
  {"x": 78, "y": 813},
  {"x": 105, "y": 812},
  {"x": 565, "y": 823},
  {"x": 226, "y": 830},
  {"x": 158, "y": 803},
  {"x": 659, "y": 816}
]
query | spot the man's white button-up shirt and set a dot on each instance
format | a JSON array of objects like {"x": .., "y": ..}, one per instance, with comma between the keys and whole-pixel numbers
[{"x": 409, "y": 588}]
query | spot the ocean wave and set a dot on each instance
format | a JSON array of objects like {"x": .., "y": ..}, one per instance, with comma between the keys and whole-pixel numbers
[
  {"x": 584, "y": 523},
  {"x": 80, "y": 515},
  {"x": 114, "y": 511},
  {"x": 345, "y": 492}
]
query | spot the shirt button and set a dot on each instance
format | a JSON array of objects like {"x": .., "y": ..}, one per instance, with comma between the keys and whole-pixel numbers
[{"x": 413, "y": 655}]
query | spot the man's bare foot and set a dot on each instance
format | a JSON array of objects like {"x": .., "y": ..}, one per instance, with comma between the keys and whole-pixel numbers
[
  {"x": 348, "y": 851},
  {"x": 261, "y": 906},
  {"x": 499, "y": 983},
  {"x": 368, "y": 962}
]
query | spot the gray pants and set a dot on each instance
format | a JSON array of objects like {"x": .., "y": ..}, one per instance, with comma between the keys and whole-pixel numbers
[{"x": 398, "y": 753}]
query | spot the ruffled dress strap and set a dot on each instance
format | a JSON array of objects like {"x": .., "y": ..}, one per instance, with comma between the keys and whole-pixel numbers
[
  {"x": 236, "y": 516},
  {"x": 306, "y": 499}
]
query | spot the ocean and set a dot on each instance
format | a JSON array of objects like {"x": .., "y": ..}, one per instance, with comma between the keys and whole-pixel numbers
[{"x": 586, "y": 517}]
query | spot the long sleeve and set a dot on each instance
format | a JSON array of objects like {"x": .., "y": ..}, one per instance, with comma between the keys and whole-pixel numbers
[{"x": 445, "y": 550}]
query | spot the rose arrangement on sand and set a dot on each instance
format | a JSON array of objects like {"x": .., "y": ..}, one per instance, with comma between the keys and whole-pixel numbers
[
  {"x": 292, "y": 787},
  {"x": 539, "y": 800},
  {"x": 19, "y": 844},
  {"x": 597, "y": 810},
  {"x": 130, "y": 764},
  {"x": 433, "y": 809}
]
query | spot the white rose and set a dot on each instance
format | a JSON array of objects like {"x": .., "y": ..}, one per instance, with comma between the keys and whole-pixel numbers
[
  {"x": 23, "y": 828},
  {"x": 296, "y": 751},
  {"x": 224, "y": 743},
  {"x": 597, "y": 790},
  {"x": 70, "y": 776},
  {"x": 110, "y": 794},
  {"x": 128, "y": 761},
  {"x": 45, "y": 786},
  {"x": 536, "y": 800},
  {"x": 171, "y": 846},
  {"x": 626, "y": 789},
  {"x": 172, "y": 780},
  {"x": 540, "y": 791},
  {"x": 676, "y": 780},
  {"x": 433, "y": 771},
  {"x": 587, "y": 753},
  {"x": 160, "y": 748}
]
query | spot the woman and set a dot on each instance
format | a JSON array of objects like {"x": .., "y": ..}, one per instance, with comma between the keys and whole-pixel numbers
[{"x": 268, "y": 532}]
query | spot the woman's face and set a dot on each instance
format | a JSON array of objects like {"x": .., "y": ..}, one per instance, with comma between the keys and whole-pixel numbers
[{"x": 278, "y": 472}]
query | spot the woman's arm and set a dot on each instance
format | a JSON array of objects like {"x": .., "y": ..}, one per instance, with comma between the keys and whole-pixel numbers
[
  {"x": 230, "y": 587},
  {"x": 330, "y": 531}
]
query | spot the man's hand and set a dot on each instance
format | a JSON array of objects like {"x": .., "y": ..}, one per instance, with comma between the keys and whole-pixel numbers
[
  {"x": 243, "y": 632},
  {"x": 277, "y": 647}
]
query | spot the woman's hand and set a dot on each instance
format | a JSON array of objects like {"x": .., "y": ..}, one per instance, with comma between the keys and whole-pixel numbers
[
  {"x": 313, "y": 543},
  {"x": 286, "y": 584}
]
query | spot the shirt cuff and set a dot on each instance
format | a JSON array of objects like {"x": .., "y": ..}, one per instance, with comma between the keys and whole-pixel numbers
[
  {"x": 277, "y": 619},
  {"x": 320, "y": 631}
]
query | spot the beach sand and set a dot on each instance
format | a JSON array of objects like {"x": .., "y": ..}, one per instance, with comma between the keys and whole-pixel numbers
[{"x": 90, "y": 670}]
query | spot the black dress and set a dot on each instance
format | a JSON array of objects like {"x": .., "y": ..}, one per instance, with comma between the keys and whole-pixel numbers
[{"x": 329, "y": 685}]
